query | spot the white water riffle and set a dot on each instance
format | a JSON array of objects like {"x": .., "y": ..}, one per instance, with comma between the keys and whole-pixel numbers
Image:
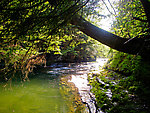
[
  {"x": 78, "y": 72},
  {"x": 81, "y": 82}
]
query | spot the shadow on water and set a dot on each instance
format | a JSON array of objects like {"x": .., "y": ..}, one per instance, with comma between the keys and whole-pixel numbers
[
  {"x": 44, "y": 93},
  {"x": 36, "y": 96},
  {"x": 51, "y": 90}
]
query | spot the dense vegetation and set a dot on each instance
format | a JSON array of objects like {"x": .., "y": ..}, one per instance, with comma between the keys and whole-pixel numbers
[
  {"x": 123, "y": 85},
  {"x": 31, "y": 29}
]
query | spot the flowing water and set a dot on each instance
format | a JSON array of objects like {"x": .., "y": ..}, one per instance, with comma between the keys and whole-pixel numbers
[{"x": 59, "y": 88}]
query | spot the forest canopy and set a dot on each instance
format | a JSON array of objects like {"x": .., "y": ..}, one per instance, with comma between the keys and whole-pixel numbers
[{"x": 31, "y": 28}]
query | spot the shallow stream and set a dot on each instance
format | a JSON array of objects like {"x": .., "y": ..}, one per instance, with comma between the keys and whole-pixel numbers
[{"x": 59, "y": 88}]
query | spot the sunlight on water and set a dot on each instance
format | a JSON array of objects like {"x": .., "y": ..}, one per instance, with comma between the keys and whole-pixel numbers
[
  {"x": 58, "y": 89},
  {"x": 81, "y": 80}
]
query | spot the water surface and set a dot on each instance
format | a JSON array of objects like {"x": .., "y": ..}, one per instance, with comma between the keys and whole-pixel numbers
[
  {"x": 59, "y": 88},
  {"x": 36, "y": 96}
]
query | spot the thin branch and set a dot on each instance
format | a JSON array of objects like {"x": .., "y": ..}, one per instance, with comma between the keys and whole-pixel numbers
[
  {"x": 67, "y": 18},
  {"x": 107, "y": 7},
  {"x": 112, "y": 7}
]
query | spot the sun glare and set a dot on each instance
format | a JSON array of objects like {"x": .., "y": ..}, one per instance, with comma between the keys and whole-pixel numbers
[{"x": 108, "y": 11}]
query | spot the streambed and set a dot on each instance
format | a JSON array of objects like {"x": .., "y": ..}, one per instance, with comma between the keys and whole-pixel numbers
[{"x": 59, "y": 88}]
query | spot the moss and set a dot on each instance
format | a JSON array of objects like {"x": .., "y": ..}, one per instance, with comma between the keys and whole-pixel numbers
[{"x": 127, "y": 77}]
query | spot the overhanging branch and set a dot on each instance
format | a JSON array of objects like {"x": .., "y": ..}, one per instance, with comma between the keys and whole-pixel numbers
[{"x": 107, "y": 38}]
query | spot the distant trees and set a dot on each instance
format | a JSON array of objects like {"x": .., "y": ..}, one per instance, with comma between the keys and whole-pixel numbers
[
  {"x": 29, "y": 28},
  {"x": 123, "y": 86},
  {"x": 128, "y": 40}
]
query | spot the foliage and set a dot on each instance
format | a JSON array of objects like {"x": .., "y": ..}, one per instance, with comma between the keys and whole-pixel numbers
[
  {"x": 80, "y": 47},
  {"x": 118, "y": 91},
  {"x": 123, "y": 85},
  {"x": 124, "y": 63},
  {"x": 29, "y": 28},
  {"x": 131, "y": 20}
]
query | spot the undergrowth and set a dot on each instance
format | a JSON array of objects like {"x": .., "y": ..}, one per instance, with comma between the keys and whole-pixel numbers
[{"x": 123, "y": 86}]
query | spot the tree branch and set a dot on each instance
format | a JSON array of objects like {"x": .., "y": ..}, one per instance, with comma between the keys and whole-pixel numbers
[
  {"x": 107, "y": 38},
  {"x": 107, "y": 7},
  {"x": 112, "y": 7}
]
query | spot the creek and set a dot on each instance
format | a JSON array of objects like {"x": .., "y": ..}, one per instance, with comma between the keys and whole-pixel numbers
[{"x": 59, "y": 88}]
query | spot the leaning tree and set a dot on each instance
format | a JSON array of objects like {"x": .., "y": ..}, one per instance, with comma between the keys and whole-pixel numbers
[
  {"x": 132, "y": 45},
  {"x": 44, "y": 18},
  {"x": 31, "y": 27}
]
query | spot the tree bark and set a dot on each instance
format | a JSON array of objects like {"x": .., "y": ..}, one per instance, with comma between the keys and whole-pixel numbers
[{"x": 132, "y": 46}]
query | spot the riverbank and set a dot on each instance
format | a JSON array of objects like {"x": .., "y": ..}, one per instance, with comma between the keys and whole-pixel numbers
[
  {"x": 64, "y": 82},
  {"x": 79, "y": 77}
]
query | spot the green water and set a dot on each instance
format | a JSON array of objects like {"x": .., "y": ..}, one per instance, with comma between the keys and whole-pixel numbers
[{"x": 39, "y": 95}]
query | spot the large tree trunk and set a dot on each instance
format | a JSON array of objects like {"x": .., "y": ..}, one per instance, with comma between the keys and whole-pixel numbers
[{"x": 132, "y": 46}]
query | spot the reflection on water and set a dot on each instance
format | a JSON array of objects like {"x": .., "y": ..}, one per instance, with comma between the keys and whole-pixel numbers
[
  {"x": 58, "y": 89},
  {"x": 71, "y": 95},
  {"x": 37, "y": 96}
]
